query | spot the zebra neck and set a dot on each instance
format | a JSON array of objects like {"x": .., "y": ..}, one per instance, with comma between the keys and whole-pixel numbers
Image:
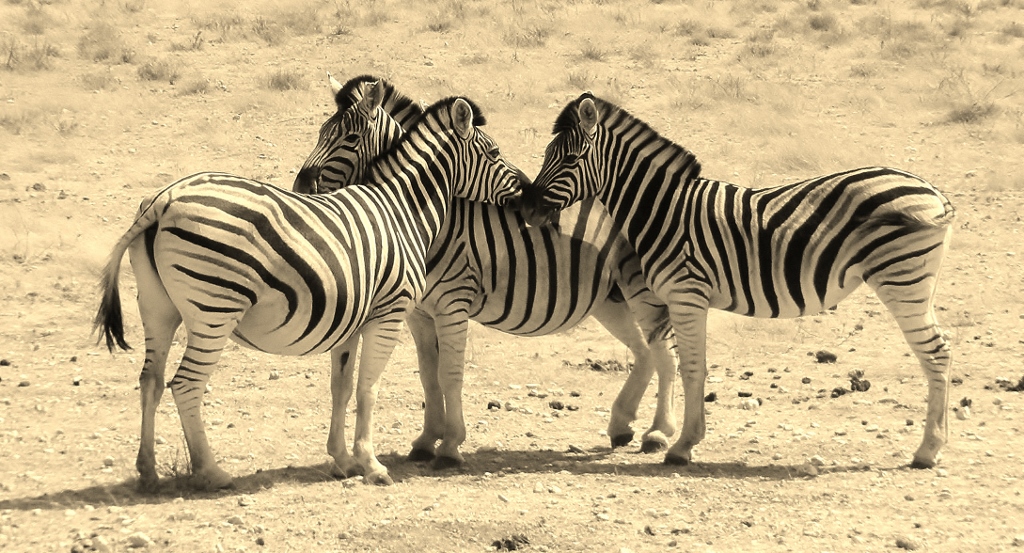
[
  {"x": 417, "y": 176},
  {"x": 648, "y": 181}
]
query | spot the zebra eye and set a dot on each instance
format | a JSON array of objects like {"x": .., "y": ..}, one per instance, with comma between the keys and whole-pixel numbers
[
  {"x": 494, "y": 153},
  {"x": 570, "y": 159}
]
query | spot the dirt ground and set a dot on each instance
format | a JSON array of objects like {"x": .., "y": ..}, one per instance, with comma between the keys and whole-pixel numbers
[{"x": 102, "y": 104}]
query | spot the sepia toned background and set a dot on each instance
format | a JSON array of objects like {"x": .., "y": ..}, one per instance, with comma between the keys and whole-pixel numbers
[{"x": 102, "y": 102}]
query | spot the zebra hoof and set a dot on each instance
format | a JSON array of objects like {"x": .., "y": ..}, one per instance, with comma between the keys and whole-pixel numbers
[
  {"x": 212, "y": 480},
  {"x": 919, "y": 464},
  {"x": 444, "y": 462},
  {"x": 380, "y": 479},
  {"x": 418, "y": 455},
  {"x": 148, "y": 485},
  {"x": 676, "y": 460},
  {"x": 622, "y": 440},
  {"x": 652, "y": 446}
]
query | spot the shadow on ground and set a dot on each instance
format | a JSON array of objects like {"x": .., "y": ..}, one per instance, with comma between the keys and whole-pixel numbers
[{"x": 477, "y": 463}]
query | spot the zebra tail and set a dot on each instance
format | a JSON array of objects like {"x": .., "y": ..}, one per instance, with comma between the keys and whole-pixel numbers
[{"x": 109, "y": 318}]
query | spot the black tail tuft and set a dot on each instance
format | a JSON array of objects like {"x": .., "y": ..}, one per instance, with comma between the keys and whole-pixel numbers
[{"x": 109, "y": 318}]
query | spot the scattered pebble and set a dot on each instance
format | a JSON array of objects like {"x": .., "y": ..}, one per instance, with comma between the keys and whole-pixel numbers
[
  {"x": 557, "y": 405},
  {"x": 274, "y": 375},
  {"x": 906, "y": 543},
  {"x": 236, "y": 520},
  {"x": 138, "y": 540},
  {"x": 710, "y": 398},
  {"x": 494, "y": 405},
  {"x": 823, "y": 356},
  {"x": 806, "y": 380},
  {"x": 1018, "y": 541}
]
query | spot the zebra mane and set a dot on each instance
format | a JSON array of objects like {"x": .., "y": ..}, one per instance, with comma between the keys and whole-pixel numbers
[
  {"x": 394, "y": 101},
  {"x": 569, "y": 120},
  {"x": 443, "y": 104}
]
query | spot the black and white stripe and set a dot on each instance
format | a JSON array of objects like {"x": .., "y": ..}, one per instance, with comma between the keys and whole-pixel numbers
[
  {"x": 785, "y": 251},
  {"x": 488, "y": 266},
  {"x": 293, "y": 274}
]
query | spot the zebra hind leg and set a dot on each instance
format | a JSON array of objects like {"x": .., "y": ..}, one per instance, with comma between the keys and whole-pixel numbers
[
  {"x": 159, "y": 320},
  {"x": 188, "y": 386},
  {"x": 908, "y": 294},
  {"x": 379, "y": 340},
  {"x": 424, "y": 333},
  {"x": 343, "y": 367},
  {"x": 621, "y": 323},
  {"x": 453, "y": 328}
]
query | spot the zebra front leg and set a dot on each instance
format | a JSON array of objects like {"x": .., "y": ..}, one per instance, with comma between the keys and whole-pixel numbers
[
  {"x": 453, "y": 328},
  {"x": 424, "y": 333},
  {"x": 159, "y": 320},
  {"x": 189, "y": 386},
  {"x": 379, "y": 340},
  {"x": 689, "y": 321},
  {"x": 343, "y": 367}
]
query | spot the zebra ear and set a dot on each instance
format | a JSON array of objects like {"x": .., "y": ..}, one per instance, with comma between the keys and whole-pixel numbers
[
  {"x": 373, "y": 95},
  {"x": 588, "y": 116},
  {"x": 335, "y": 85},
  {"x": 462, "y": 118}
]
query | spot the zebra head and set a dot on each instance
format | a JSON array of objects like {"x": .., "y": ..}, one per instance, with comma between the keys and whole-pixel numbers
[
  {"x": 570, "y": 171},
  {"x": 481, "y": 173},
  {"x": 355, "y": 135}
]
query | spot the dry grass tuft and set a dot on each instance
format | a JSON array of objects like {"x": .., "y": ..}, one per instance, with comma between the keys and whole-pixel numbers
[
  {"x": 103, "y": 42},
  {"x": 159, "y": 70},
  {"x": 193, "y": 45},
  {"x": 284, "y": 79}
]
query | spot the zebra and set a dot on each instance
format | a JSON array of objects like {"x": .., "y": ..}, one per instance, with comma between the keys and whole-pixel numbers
[
  {"x": 784, "y": 251},
  {"x": 340, "y": 156},
  {"x": 486, "y": 265},
  {"x": 293, "y": 274}
]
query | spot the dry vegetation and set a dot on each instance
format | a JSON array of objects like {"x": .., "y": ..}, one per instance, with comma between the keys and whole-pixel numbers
[{"x": 102, "y": 102}]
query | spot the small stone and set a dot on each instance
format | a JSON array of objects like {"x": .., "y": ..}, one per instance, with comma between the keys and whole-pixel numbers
[
  {"x": 99, "y": 543},
  {"x": 24, "y": 384},
  {"x": 556, "y": 405},
  {"x": 554, "y": 489},
  {"x": 236, "y": 520},
  {"x": 5, "y": 363},
  {"x": 274, "y": 375},
  {"x": 603, "y": 516},
  {"x": 108, "y": 462},
  {"x": 744, "y": 394},
  {"x": 711, "y": 398},
  {"x": 750, "y": 404},
  {"x": 1018, "y": 540},
  {"x": 906, "y": 543},
  {"x": 503, "y": 498},
  {"x": 574, "y": 394},
  {"x": 805, "y": 380},
  {"x": 76, "y": 381},
  {"x": 493, "y": 405},
  {"x": 138, "y": 540},
  {"x": 963, "y": 413},
  {"x": 817, "y": 461},
  {"x": 576, "y": 449},
  {"x": 823, "y": 356},
  {"x": 246, "y": 500},
  {"x": 261, "y": 541},
  {"x": 837, "y": 392},
  {"x": 538, "y": 488}
]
